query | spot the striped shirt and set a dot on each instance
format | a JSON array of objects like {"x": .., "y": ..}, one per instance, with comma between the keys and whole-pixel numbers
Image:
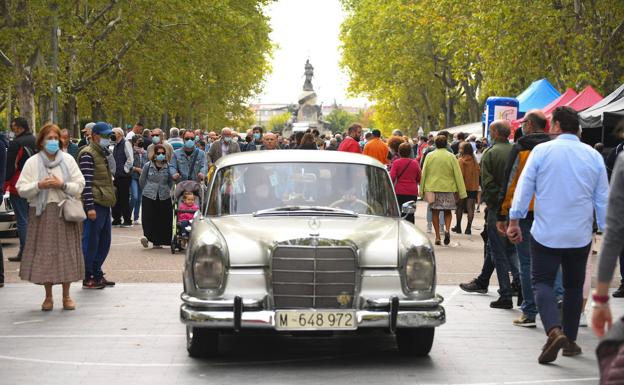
[{"x": 87, "y": 167}]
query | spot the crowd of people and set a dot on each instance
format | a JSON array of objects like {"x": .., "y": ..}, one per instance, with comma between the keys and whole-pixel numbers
[{"x": 544, "y": 196}]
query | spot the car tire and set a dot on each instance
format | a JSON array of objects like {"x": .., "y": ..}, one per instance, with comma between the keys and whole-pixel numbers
[
  {"x": 415, "y": 342},
  {"x": 202, "y": 342}
]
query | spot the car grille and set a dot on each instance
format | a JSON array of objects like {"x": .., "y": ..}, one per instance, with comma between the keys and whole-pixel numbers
[{"x": 313, "y": 277}]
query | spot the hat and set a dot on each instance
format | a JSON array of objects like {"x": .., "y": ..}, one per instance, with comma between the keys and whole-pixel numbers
[
  {"x": 102, "y": 128},
  {"x": 88, "y": 127},
  {"x": 376, "y": 133}
]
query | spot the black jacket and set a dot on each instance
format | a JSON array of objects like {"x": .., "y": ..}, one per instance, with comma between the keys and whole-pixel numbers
[{"x": 26, "y": 139}]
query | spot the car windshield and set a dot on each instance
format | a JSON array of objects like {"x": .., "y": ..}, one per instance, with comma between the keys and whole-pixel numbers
[{"x": 301, "y": 189}]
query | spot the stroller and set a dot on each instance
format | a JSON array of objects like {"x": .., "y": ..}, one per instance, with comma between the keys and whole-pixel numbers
[{"x": 181, "y": 235}]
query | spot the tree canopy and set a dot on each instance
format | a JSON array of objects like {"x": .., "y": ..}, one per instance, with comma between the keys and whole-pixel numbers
[
  {"x": 432, "y": 63},
  {"x": 189, "y": 63}
]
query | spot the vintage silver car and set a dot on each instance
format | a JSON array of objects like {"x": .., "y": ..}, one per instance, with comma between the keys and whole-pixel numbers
[{"x": 295, "y": 241}]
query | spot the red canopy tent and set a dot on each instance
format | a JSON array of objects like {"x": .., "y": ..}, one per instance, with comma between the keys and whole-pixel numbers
[
  {"x": 562, "y": 100},
  {"x": 585, "y": 99}
]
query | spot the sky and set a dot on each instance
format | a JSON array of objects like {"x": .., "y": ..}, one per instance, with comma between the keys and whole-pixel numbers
[{"x": 307, "y": 29}]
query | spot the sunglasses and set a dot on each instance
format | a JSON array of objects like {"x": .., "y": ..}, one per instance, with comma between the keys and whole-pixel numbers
[{"x": 160, "y": 153}]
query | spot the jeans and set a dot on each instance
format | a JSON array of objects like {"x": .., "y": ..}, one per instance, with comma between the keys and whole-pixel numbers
[
  {"x": 503, "y": 256},
  {"x": 135, "y": 199},
  {"x": 430, "y": 217},
  {"x": 488, "y": 267},
  {"x": 528, "y": 307},
  {"x": 546, "y": 262},
  {"x": 96, "y": 241},
  {"x": 20, "y": 207},
  {"x": 122, "y": 206}
]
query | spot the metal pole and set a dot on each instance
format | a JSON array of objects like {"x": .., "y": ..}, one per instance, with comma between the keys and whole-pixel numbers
[{"x": 9, "y": 107}]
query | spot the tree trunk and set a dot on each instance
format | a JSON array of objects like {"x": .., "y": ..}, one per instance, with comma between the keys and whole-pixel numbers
[
  {"x": 73, "y": 125},
  {"x": 164, "y": 122},
  {"x": 97, "y": 113},
  {"x": 26, "y": 100},
  {"x": 44, "y": 110}
]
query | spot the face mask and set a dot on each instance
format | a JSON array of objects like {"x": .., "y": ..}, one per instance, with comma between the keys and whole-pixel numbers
[
  {"x": 160, "y": 157},
  {"x": 104, "y": 143},
  {"x": 156, "y": 139},
  {"x": 257, "y": 136},
  {"x": 197, "y": 138},
  {"x": 227, "y": 139},
  {"x": 52, "y": 146},
  {"x": 189, "y": 143},
  {"x": 11, "y": 135}
]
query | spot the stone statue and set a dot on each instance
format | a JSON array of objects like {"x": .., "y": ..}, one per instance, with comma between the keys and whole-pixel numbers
[{"x": 309, "y": 74}]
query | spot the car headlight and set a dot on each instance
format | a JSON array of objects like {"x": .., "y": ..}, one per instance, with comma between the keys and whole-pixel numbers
[
  {"x": 419, "y": 269},
  {"x": 208, "y": 267}
]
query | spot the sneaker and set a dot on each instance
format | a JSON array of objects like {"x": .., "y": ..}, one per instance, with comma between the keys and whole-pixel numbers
[
  {"x": 105, "y": 282},
  {"x": 524, "y": 321},
  {"x": 556, "y": 340},
  {"x": 144, "y": 242},
  {"x": 116, "y": 223},
  {"x": 473, "y": 287},
  {"x": 92, "y": 284},
  {"x": 583, "y": 320},
  {"x": 125, "y": 225},
  {"x": 137, "y": 222},
  {"x": 618, "y": 293},
  {"x": 502, "y": 303},
  {"x": 571, "y": 349}
]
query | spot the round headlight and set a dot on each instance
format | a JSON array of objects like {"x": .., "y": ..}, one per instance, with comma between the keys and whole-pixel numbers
[
  {"x": 419, "y": 269},
  {"x": 208, "y": 267}
]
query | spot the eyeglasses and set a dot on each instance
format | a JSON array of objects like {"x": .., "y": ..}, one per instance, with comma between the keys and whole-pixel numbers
[
  {"x": 160, "y": 153},
  {"x": 153, "y": 135}
]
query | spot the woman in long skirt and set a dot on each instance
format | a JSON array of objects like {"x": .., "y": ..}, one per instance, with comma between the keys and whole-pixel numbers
[
  {"x": 156, "y": 216},
  {"x": 53, "y": 253}
]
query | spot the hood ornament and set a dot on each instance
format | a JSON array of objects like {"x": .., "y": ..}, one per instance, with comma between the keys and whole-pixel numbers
[{"x": 314, "y": 223}]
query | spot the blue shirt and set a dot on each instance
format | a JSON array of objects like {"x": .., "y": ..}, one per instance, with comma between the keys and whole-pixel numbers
[{"x": 569, "y": 181}]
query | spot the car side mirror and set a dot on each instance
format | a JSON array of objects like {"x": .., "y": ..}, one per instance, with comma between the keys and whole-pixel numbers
[{"x": 408, "y": 208}]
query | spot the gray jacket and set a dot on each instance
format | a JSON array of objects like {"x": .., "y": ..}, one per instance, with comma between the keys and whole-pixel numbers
[
  {"x": 156, "y": 184},
  {"x": 215, "y": 152},
  {"x": 613, "y": 242}
]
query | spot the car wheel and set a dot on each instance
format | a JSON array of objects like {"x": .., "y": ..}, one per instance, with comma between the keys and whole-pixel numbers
[
  {"x": 202, "y": 342},
  {"x": 415, "y": 342}
]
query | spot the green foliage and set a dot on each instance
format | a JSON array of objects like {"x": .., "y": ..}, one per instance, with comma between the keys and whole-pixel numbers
[
  {"x": 339, "y": 120},
  {"x": 278, "y": 123},
  {"x": 198, "y": 61},
  {"x": 432, "y": 63}
]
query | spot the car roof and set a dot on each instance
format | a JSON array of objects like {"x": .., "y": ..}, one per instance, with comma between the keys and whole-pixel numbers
[{"x": 288, "y": 156}]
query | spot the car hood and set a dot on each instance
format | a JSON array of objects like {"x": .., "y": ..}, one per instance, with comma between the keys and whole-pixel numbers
[{"x": 250, "y": 239}]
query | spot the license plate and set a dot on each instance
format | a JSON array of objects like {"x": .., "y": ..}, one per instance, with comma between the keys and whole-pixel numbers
[{"x": 314, "y": 320}]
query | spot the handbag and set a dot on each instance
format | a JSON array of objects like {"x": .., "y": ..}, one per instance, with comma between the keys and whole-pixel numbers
[
  {"x": 72, "y": 210},
  {"x": 430, "y": 197}
]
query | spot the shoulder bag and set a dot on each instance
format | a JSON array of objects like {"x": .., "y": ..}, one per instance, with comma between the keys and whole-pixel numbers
[{"x": 72, "y": 210}]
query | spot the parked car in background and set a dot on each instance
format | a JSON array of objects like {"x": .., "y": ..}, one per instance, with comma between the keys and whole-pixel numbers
[
  {"x": 291, "y": 243},
  {"x": 8, "y": 226}
]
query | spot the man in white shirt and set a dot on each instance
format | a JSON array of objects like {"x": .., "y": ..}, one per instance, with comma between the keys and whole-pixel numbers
[{"x": 136, "y": 130}]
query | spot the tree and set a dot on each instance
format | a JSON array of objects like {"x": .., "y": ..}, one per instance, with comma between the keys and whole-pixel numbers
[
  {"x": 339, "y": 120},
  {"x": 277, "y": 123}
]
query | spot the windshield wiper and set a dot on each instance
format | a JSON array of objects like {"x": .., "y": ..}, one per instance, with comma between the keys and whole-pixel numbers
[{"x": 298, "y": 210}]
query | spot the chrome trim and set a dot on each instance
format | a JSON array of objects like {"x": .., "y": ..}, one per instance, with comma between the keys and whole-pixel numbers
[
  {"x": 406, "y": 303},
  {"x": 265, "y": 319},
  {"x": 219, "y": 303}
]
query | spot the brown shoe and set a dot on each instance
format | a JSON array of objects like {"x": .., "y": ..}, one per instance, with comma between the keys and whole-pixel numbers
[
  {"x": 48, "y": 304},
  {"x": 556, "y": 340},
  {"x": 572, "y": 349},
  {"x": 68, "y": 303}
]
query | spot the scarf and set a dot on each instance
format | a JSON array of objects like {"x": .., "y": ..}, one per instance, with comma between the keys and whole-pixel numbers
[{"x": 45, "y": 169}]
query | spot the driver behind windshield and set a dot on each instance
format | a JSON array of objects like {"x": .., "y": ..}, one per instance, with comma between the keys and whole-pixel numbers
[{"x": 259, "y": 192}]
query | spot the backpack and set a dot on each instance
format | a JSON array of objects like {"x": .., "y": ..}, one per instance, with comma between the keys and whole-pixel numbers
[{"x": 23, "y": 154}]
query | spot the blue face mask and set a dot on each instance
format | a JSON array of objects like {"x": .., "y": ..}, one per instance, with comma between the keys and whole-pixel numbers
[
  {"x": 160, "y": 157},
  {"x": 52, "y": 146},
  {"x": 189, "y": 143},
  {"x": 104, "y": 143},
  {"x": 227, "y": 139},
  {"x": 156, "y": 139},
  {"x": 257, "y": 136}
]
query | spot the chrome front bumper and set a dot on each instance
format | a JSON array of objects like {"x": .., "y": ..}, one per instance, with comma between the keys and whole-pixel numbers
[{"x": 389, "y": 316}]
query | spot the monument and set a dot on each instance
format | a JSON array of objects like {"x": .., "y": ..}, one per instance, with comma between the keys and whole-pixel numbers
[{"x": 308, "y": 113}]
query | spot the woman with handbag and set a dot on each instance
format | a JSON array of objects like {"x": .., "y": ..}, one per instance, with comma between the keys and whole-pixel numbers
[
  {"x": 50, "y": 181},
  {"x": 156, "y": 184},
  {"x": 405, "y": 175},
  {"x": 442, "y": 185}
]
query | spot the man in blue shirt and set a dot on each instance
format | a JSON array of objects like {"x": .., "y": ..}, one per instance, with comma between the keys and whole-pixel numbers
[
  {"x": 569, "y": 181},
  {"x": 188, "y": 162}
]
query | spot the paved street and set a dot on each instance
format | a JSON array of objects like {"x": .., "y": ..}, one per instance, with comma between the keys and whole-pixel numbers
[{"x": 131, "y": 334}]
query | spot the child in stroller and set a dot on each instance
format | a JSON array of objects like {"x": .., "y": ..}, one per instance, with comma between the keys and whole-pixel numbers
[
  {"x": 187, "y": 196},
  {"x": 186, "y": 211}
]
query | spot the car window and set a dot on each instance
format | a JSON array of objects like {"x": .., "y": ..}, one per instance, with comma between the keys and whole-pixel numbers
[{"x": 248, "y": 188}]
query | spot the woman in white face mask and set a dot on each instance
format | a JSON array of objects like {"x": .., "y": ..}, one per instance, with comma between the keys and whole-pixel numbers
[{"x": 53, "y": 253}]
